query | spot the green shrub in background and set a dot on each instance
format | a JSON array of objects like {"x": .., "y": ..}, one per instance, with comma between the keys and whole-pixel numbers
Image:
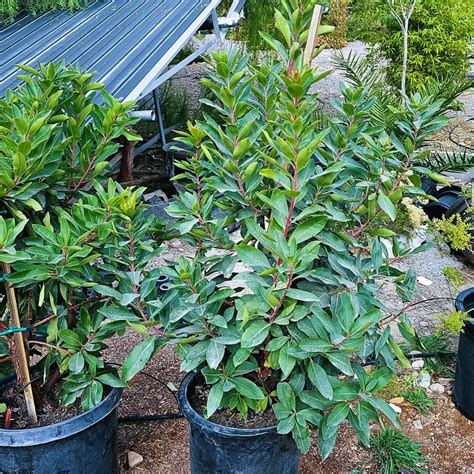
[
  {"x": 9, "y": 9},
  {"x": 259, "y": 17},
  {"x": 439, "y": 39},
  {"x": 338, "y": 17},
  {"x": 366, "y": 19}
]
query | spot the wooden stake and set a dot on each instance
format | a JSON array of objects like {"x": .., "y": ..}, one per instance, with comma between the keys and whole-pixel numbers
[
  {"x": 313, "y": 34},
  {"x": 126, "y": 166},
  {"x": 19, "y": 356}
]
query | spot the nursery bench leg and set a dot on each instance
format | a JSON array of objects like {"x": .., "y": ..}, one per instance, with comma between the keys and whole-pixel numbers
[{"x": 126, "y": 164}]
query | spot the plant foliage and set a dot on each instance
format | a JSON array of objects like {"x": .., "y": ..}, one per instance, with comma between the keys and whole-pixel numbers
[
  {"x": 438, "y": 45},
  {"x": 78, "y": 257},
  {"x": 10, "y": 9},
  {"x": 291, "y": 325}
]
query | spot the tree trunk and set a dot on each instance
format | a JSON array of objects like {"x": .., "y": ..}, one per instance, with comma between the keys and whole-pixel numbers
[{"x": 405, "y": 57}]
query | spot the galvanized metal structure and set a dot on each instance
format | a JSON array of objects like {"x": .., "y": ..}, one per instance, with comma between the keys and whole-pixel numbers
[{"x": 129, "y": 44}]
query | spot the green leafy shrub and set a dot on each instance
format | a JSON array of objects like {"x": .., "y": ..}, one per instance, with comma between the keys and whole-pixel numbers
[
  {"x": 337, "y": 17},
  {"x": 439, "y": 39},
  {"x": 55, "y": 138},
  {"x": 454, "y": 276},
  {"x": 78, "y": 257},
  {"x": 396, "y": 452},
  {"x": 455, "y": 231},
  {"x": 396, "y": 385},
  {"x": 453, "y": 322},
  {"x": 259, "y": 17},
  {"x": 366, "y": 19},
  {"x": 304, "y": 306}
]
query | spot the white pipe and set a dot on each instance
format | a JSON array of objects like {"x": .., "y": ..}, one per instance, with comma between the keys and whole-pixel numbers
[{"x": 146, "y": 115}]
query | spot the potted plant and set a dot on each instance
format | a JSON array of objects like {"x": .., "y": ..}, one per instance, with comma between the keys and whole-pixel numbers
[
  {"x": 73, "y": 249},
  {"x": 275, "y": 329}
]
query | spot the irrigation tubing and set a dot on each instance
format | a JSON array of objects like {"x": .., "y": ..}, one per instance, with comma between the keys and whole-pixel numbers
[
  {"x": 418, "y": 355},
  {"x": 457, "y": 143},
  {"x": 175, "y": 416}
]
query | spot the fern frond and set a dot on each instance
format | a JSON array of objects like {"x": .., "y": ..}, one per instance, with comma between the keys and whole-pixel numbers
[{"x": 448, "y": 161}]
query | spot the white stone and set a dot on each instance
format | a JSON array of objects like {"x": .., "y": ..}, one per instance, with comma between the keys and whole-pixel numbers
[
  {"x": 134, "y": 459},
  {"x": 437, "y": 388},
  {"x": 418, "y": 364},
  {"x": 395, "y": 408},
  {"x": 423, "y": 380},
  {"x": 417, "y": 425},
  {"x": 424, "y": 281},
  {"x": 445, "y": 381}
]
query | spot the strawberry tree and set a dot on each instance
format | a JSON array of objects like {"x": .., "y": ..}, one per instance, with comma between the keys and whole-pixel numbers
[{"x": 287, "y": 318}]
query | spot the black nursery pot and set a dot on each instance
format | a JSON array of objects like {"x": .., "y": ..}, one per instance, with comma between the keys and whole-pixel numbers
[
  {"x": 429, "y": 186},
  {"x": 446, "y": 198},
  {"x": 85, "y": 443},
  {"x": 221, "y": 449},
  {"x": 464, "y": 378}
]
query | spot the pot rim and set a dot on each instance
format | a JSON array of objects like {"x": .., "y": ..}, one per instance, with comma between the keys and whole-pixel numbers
[
  {"x": 460, "y": 306},
  {"x": 18, "y": 438},
  {"x": 195, "y": 418}
]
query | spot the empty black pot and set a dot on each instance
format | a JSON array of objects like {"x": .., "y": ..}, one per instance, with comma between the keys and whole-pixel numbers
[
  {"x": 85, "y": 443},
  {"x": 446, "y": 198},
  {"x": 464, "y": 378},
  {"x": 429, "y": 186},
  {"x": 221, "y": 449}
]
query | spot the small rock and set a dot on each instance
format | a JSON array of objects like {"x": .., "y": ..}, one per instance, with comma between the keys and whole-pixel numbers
[
  {"x": 424, "y": 281},
  {"x": 445, "y": 381},
  {"x": 134, "y": 459},
  {"x": 396, "y": 408},
  {"x": 425, "y": 324},
  {"x": 418, "y": 364},
  {"x": 423, "y": 380},
  {"x": 437, "y": 388},
  {"x": 397, "y": 400},
  {"x": 418, "y": 425}
]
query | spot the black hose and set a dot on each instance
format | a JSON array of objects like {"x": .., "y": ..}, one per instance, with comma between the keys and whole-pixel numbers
[
  {"x": 143, "y": 418},
  {"x": 457, "y": 143},
  {"x": 418, "y": 355}
]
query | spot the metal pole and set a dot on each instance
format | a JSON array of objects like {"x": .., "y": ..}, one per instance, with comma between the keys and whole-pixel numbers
[{"x": 159, "y": 116}]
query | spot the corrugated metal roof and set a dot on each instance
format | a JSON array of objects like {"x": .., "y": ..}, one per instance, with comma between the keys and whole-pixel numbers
[{"x": 126, "y": 42}]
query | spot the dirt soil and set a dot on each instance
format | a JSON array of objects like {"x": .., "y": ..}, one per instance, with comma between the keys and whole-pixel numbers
[
  {"x": 263, "y": 419},
  {"x": 48, "y": 408}
]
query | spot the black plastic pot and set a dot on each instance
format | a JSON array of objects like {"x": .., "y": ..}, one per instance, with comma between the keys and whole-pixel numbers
[
  {"x": 221, "y": 449},
  {"x": 446, "y": 198},
  {"x": 464, "y": 378},
  {"x": 429, "y": 186},
  {"x": 85, "y": 443},
  {"x": 458, "y": 207}
]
